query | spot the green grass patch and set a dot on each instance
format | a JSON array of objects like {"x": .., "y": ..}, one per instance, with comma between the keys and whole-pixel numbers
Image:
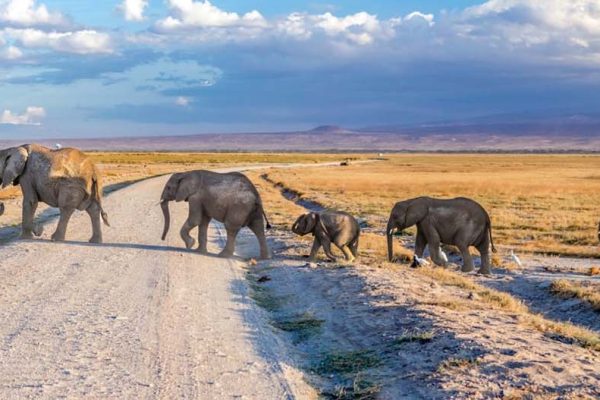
[
  {"x": 347, "y": 362},
  {"x": 265, "y": 299},
  {"x": 302, "y": 326}
]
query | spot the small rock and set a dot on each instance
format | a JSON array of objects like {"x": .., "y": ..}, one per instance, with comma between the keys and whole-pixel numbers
[
  {"x": 434, "y": 285},
  {"x": 312, "y": 265},
  {"x": 473, "y": 296},
  {"x": 263, "y": 279},
  {"x": 252, "y": 261}
]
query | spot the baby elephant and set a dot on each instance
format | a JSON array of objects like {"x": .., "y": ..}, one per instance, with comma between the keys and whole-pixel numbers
[{"x": 329, "y": 227}]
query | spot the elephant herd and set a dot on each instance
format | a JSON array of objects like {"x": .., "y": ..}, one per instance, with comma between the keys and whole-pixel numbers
[{"x": 68, "y": 179}]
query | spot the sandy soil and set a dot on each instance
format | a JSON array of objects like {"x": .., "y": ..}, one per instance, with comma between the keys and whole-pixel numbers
[
  {"x": 134, "y": 317},
  {"x": 474, "y": 353}
]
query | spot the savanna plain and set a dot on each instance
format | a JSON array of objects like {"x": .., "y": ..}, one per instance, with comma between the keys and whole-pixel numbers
[{"x": 377, "y": 329}]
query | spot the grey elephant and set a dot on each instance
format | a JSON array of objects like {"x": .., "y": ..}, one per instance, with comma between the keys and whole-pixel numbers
[
  {"x": 328, "y": 227},
  {"x": 1, "y": 208},
  {"x": 460, "y": 222},
  {"x": 64, "y": 178},
  {"x": 229, "y": 198}
]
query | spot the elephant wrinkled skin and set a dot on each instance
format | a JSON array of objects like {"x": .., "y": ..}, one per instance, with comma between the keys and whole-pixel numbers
[
  {"x": 64, "y": 178},
  {"x": 460, "y": 222},
  {"x": 229, "y": 198},
  {"x": 328, "y": 227}
]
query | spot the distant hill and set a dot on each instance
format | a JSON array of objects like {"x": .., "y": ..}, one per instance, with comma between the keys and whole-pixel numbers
[{"x": 573, "y": 133}]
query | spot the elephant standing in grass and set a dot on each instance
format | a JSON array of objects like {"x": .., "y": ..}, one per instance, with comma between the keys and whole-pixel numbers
[
  {"x": 328, "y": 227},
  {"x": 460, "y": 222},
  {"x": 229, "y": 198},
  {"x": 64, "y": 178}
]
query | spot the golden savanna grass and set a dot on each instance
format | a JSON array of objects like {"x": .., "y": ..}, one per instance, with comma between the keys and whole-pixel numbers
[
  {"x": 568, "y": 289},
  {"x": 119, "y": 167},
  {"x": 538, "y": 203}
]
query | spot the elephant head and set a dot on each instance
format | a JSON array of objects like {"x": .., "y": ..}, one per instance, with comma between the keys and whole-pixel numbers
[
  {"x": 178, "y": 188},
  {"x": 305, "y": 224},
  {"x": 12, "y": 164},
  {"x": 404, "y": 215}
]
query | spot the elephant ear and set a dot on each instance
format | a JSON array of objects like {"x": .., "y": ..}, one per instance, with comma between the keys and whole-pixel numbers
[
  {"x": 14, "y": 166},
  {"x": 415, "y": 213},
  {"x": 296, "y": 226},
  {"x": 183, "y": 189},
  {"x": 311, "y": 222}
]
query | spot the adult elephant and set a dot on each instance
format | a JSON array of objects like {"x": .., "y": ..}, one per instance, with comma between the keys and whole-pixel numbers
[
  {"x": 460, "y": 222},
  {"x": 229, "y": 198},
  {"x": 64, "y": 178}
]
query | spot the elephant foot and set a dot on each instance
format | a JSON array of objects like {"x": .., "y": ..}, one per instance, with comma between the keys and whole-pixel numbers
[
  {"x": 189, "y": 242},
  {"x": 38, "y": 230},
  {"x": 96, "y": 239},
  {"x": 266, "y": 256},
  {"x": 27, "y": 235},
  {"x": 57, "y": 237},
  {"x": 484, "y": 271},
  {"x": 225, "y": 254},
  {"x": 203, "y": 251},
  {"x": 467, "y": 268}
]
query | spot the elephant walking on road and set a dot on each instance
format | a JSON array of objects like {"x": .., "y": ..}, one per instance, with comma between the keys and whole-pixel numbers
[
  {"x": 64, "y": 178},
  {"x": 229, "y": 198},
  {"x": 460, "y": 222}
]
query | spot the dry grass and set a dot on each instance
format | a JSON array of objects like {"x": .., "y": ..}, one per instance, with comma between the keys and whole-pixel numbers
[
  {"x": 567, "y": 290},
  {"x": 594, "y": 270},
  {"x": 538, "y": 203},
  {"x": 504, "y": 302}
]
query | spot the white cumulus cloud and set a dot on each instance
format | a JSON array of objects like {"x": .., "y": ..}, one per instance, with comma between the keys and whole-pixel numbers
[
  {"x": 31, "y": 116},
  {"x": 188, "y": 14},
  {"x": 27, "y": 13},
  {"x": 79, "y": 42},
  {"x": 133, "y": 10}
]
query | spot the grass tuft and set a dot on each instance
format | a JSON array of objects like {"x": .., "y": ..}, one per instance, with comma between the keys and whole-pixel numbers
[
  {"x": 568, "y": 290},
  {"x": 346, "y": 362},
  {"x": 302, "y": 326},
  {"x": 457, "y": 363}
]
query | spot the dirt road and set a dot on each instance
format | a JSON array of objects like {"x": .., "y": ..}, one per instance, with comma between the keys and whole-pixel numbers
[{"x": 135, "y": 317}]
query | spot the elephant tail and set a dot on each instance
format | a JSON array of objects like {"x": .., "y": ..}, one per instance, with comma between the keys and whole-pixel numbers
[
  {"x": 262, "y": 210},
  {"x": 97, "y": 195},
  {"x": 489, "y": 228}
]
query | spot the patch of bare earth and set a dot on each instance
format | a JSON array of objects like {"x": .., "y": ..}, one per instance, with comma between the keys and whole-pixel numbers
[{"x": 386, "y": 331}]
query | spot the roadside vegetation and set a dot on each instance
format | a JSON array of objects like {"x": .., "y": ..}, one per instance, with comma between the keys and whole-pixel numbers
[{"x": 538, "y": 203}]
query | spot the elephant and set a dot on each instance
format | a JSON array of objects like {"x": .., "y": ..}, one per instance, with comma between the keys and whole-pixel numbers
[
  {"x": 64, "y": 178},
  {"x": 328, "y": 227},
  {"x": 229, "y": 198},
  {"x": 460, "y": 222},
  {"x": 1, "y": 208}
]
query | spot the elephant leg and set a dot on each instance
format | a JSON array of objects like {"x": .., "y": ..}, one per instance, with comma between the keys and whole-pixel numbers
[
  {"x": 484, "y": 250},
  {"x": 94, "y": 212},
  {"x": 61, "y": 229},
  {"x": 194, "y": 219},
  {"x": 315, "y": 249},
  {"x": 348, "y": 253},
  {"x": 203, "y": 235},
  {"x": 230, "y": 245},
  {"x": 257, "y": 226},
  {"x": 327, "y": 248},
  {"x": 354, "y": 247},
  {"x": 436, "y": 255},
  {"x": 420, "y": 243},
  {"x": 29, "y": 206},
  {"x": 467, "y": 259}
]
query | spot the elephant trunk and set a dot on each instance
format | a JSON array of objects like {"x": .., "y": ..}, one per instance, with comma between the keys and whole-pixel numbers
[
  {"x": 390, "y": 242},
  {"x": 164, "y": 205}
]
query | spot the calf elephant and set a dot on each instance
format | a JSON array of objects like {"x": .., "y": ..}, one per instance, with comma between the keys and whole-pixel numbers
[
  {"x": 64, "y": 178},
  {"x": 229, "y": 198},
  {"x": 460, "y": 222},
  {"x": 329, "y": 227}
]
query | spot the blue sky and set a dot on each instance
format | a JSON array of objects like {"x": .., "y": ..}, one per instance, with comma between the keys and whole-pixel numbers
[{"x": 75, "y": 68}]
